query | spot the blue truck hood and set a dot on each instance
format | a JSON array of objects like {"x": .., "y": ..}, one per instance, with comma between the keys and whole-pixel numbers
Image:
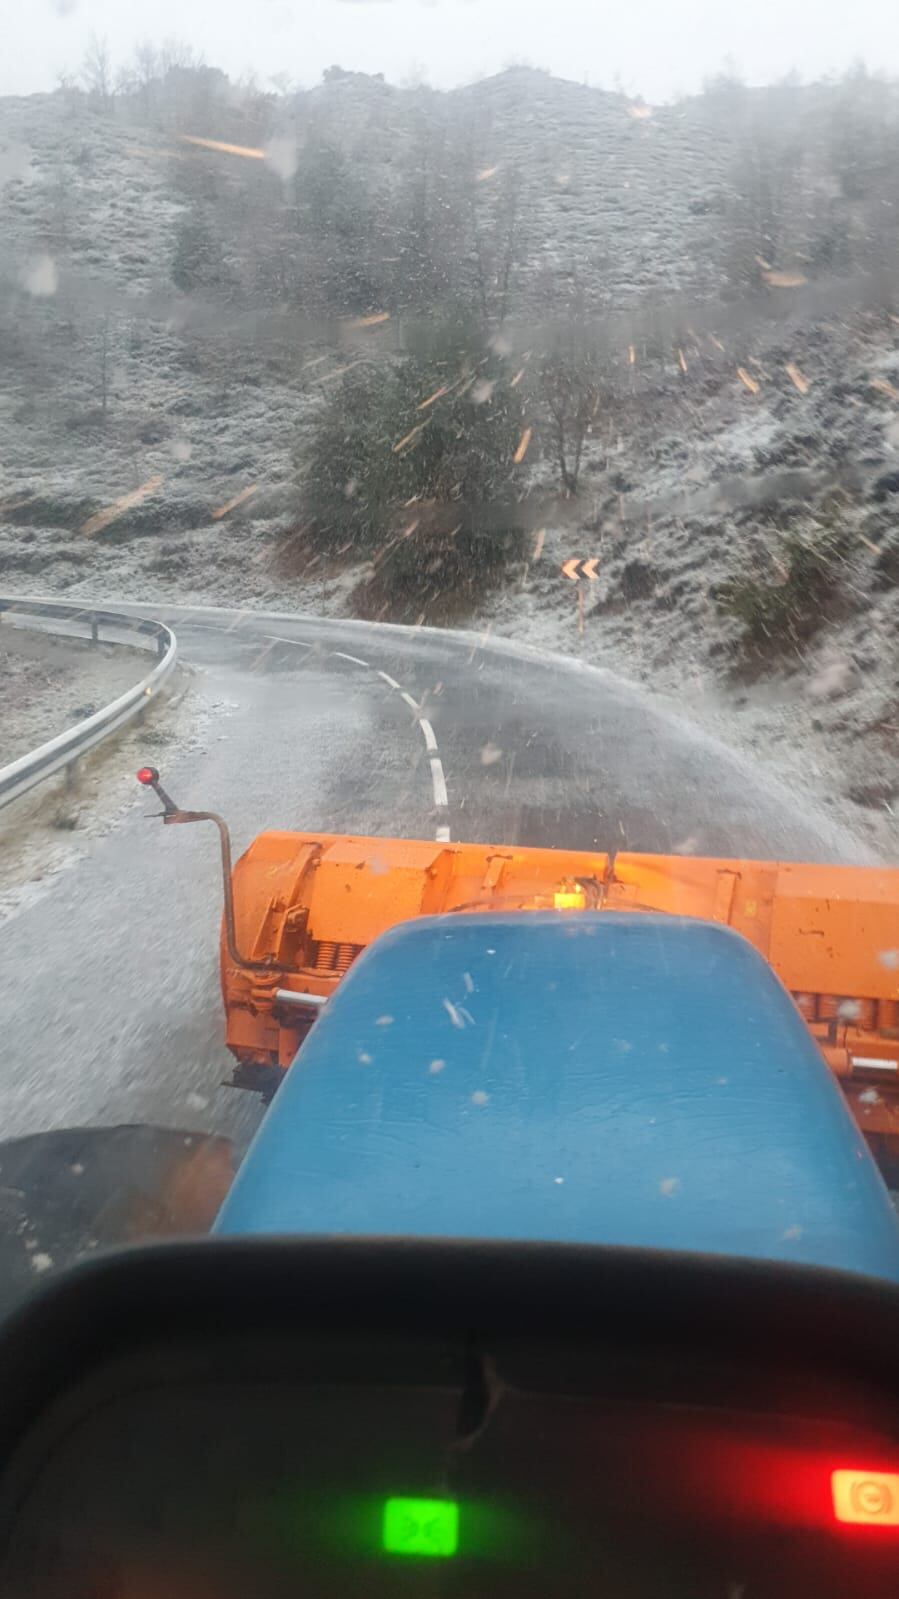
[{"x": 591, "y": 1078}]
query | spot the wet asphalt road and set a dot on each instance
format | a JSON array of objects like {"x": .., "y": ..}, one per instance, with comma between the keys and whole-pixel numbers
[
  {"x": 537, "y": 750},
  {"x": 108, "y": 987}
]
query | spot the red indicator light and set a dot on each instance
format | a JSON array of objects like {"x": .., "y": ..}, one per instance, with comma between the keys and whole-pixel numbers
[
  {"x": 147, "y": 775},
  {"x": 866, "y": 1498}
]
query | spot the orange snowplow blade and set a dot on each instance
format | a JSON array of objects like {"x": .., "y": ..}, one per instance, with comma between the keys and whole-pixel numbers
[{"x": 308, "y": 904}]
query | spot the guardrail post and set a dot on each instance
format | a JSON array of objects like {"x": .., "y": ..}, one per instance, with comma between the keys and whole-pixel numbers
[
  {"x": 161, "y": 645},
  {"x": 95, "y": 630}
]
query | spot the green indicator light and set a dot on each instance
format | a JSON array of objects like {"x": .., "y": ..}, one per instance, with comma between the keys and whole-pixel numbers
[{"x": 421, "y": 1527}]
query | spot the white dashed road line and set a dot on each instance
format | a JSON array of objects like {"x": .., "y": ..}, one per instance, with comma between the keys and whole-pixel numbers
[
  {"x": 295, "y": 643},
  {"x": 273, "y": 639},
  {"x": 439, "y": 781},
  {"x": 438, "y": 777},
  {"x": 442, "y": 833}
]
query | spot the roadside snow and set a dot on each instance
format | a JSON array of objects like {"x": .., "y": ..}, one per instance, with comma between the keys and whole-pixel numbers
[
  {"x": 48, "y": 684},
  {"x": 52, "y": 827}
]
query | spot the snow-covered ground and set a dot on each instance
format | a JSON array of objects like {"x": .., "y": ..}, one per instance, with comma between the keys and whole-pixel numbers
[{"x": 48, "y": 683}]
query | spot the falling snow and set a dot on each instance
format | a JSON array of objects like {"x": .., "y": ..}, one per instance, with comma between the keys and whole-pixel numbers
[{"x": 41, "y": 277}]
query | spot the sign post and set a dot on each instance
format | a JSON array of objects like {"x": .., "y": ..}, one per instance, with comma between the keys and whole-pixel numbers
[{"x": 574, "y": 570}]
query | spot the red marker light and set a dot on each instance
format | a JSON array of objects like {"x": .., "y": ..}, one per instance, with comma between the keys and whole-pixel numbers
[
  {"x": 866, "y": 1498},
  {"x": 147, "y": 775}
]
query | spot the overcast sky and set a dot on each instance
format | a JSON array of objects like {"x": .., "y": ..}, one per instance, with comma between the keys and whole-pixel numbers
[{"x": 656, "y": 47}]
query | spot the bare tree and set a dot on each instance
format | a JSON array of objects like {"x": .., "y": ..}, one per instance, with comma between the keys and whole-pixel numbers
[
  {"x": 67, "y": 84},
  {"x": 862, "y": 133},
  {"x": 136, "y": 79},
  {"x": 178, "y": 55},
  {"x": 570, "y": 390},
  {"x": 103, "y": 368},
  {"x": 58, "y": 209},
  {"x": 497, "y": 237},
  {"x": 769, "y": 181},
  {"x": 510, "y": 240},
  {"x": 96, "y": 70}
]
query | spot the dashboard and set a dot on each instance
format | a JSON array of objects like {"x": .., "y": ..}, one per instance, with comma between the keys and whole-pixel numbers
[{"x": 407, "y": 1429}]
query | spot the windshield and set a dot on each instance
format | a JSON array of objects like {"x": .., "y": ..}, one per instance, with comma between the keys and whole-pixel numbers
[{"x": 426, "y": 426}]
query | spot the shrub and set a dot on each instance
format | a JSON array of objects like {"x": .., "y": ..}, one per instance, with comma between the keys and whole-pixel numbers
[
  {"x": 441, "y": 565},
  {"x": 412, "y": 464},
  {"x": 784, "y": 613},
  {"x": 50, "y": 510},
  {"x": 197, "y": 259}
]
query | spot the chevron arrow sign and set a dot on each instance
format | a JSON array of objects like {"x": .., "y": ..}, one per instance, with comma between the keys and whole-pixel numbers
[{"x": 577, "y": 568}]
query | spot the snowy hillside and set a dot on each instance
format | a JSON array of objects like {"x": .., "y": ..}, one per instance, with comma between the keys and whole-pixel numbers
[{"x": 172, "y": 318}]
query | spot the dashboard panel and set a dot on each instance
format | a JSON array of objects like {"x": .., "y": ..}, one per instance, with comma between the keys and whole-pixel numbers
[{"x": 438, "y": 1441}]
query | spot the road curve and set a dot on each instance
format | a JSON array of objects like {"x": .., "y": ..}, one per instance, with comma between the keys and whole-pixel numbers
[{"x": 108, "y": 986}]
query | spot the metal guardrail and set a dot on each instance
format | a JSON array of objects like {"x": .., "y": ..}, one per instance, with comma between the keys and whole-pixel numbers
[{"x": 60, "y": 752}]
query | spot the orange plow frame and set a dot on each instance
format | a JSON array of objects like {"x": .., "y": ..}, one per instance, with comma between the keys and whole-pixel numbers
[{"x": 305, "y": 905}]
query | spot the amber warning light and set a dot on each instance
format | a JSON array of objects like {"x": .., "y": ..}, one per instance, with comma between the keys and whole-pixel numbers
[
  {"x": 569, "y": 896},
  {"x": 866, "y": 1498}
]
